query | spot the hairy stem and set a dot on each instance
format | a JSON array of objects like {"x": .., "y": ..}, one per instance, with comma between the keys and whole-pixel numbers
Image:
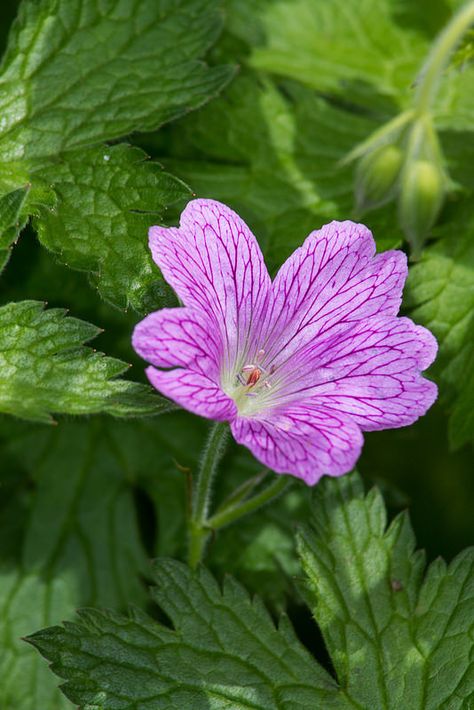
[{"x": 198, "y": 526}]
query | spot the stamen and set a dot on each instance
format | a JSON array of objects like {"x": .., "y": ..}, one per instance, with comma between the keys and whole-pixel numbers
[{"x": 253, "y": 378}]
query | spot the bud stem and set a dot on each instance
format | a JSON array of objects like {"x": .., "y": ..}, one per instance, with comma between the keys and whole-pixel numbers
[{"x": 439, "y": 56}]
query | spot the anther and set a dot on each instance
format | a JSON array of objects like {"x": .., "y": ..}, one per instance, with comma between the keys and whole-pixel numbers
[
  {"x": 254, "y": 376},
  {"x": 254, "y": 373}
]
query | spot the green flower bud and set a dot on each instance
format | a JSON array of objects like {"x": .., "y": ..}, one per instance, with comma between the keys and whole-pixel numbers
[
  {"x": 376, "y": 176},
  {"x": 421, "y": 197}
]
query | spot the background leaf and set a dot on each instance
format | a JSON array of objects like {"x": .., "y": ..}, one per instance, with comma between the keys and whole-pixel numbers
[
  {"x": 368, "y": 53},
  {"x": 70, "y": 537},
  {"x": 274, "y": 155}
]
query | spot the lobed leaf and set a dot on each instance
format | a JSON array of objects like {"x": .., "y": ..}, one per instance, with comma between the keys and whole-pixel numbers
[
  {"x": 366, "y": 52},
  {"x": 349, "y": 48},
  {"x": 107, "y": 198},
  {"x": 45, "y": 369},
  {"x": 80, "y": 72},
  {"x": 441, "y": 291},
  {"x": 395, "y": 639},
  {"x": 11, "y": 220},
  {"x": 365, "y": 56}
]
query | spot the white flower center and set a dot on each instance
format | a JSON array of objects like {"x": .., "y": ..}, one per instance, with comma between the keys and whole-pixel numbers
[{"x": 250, "y": 386}]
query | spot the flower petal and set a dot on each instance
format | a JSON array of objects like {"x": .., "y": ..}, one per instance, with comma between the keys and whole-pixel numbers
[
  {"x": 215, "y": 265},
  {"x": 305, "y": 440},
  {"x": 178, "y": 337},
  {"x": 193, "y": 391},
  {"x": 332, "y": 280},
  {"x": 372, "y": 372}
]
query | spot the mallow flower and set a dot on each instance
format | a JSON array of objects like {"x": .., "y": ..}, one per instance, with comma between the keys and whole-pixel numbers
[{"x": 300, "y": 366}]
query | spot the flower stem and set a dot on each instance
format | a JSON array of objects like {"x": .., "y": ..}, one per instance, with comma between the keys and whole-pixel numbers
[
  {"x": 234, "y": 512},
  {"x": 439, "y": 56},
  {"x": 198, "y": 526}
]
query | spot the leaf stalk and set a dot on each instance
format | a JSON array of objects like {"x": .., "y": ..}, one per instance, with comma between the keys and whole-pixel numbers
[{"x": 230, "y": 514}]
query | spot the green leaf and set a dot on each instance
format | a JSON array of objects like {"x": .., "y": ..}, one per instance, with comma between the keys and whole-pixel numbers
[
  {"x": 275, "y": 157},
  {"x": 10, "y": 221},
  {"x": 440, "y": 288},
  {"x": 69, "y": 521},
  {"x": 395, "y": 639},
  {"x": 80, "y": 72},
  {"x": 75, "y": 74},
  {"x": 107, "y": 198},
  {"x": 46, "y": 369},
  {"x": 111, "y": 661}
]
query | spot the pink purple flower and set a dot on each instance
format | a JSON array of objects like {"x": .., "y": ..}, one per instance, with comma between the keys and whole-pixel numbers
[{"x": 300, "y": 366}]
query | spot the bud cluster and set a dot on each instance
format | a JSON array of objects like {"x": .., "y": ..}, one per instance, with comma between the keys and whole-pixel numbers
[{"x": 403, "y": 161}]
